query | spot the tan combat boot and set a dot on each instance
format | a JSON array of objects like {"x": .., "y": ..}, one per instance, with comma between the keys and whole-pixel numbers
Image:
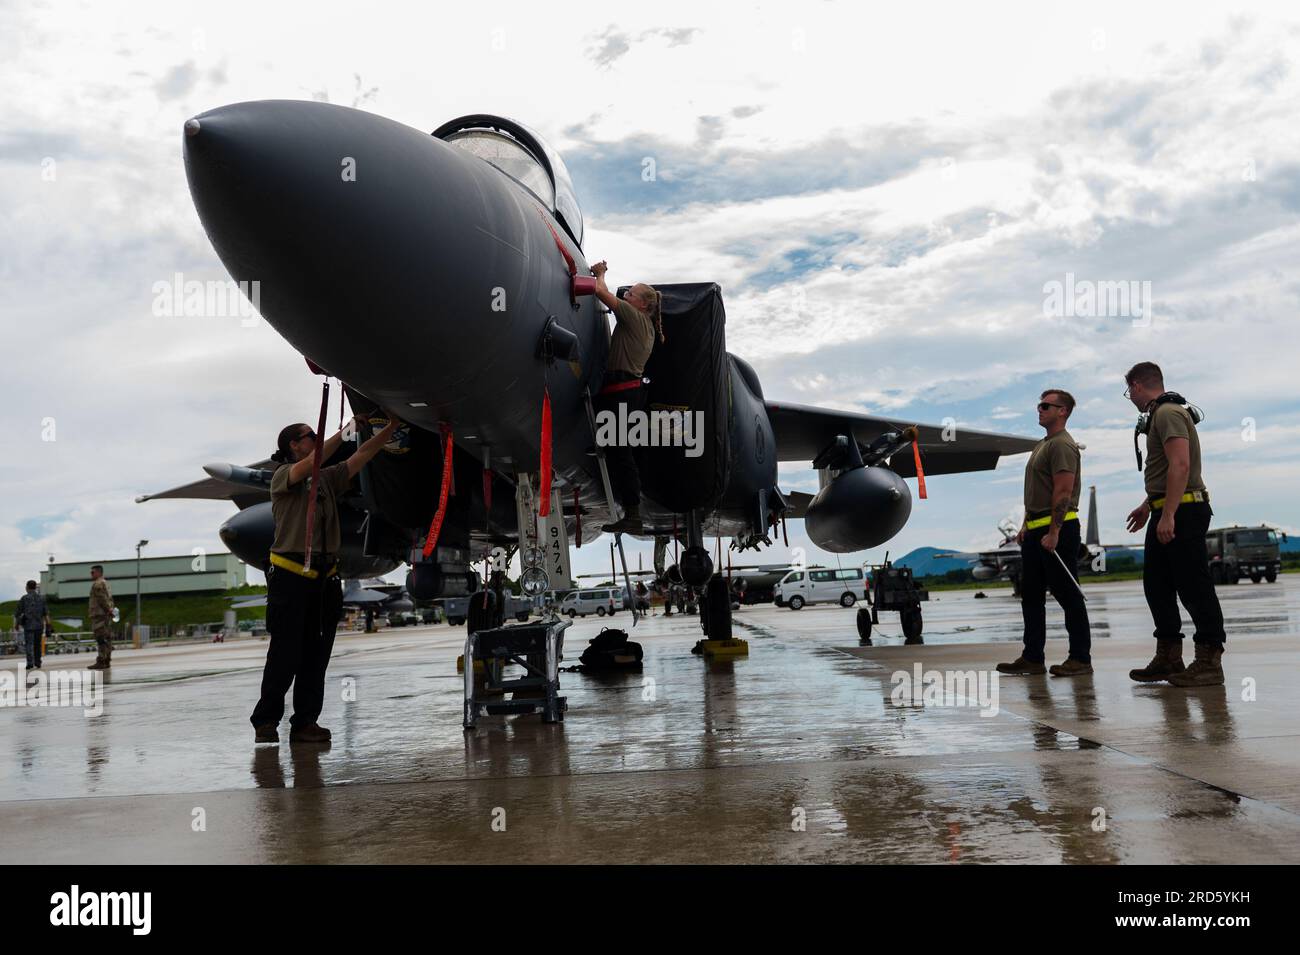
[
  {"x": 1206, "y": 669},
  {"x": 309, "y": 734},
  {"x": 1071, "y": 667},
  {"x": 1167, "y": 661},
  {"x": 1022, "y": 667}
]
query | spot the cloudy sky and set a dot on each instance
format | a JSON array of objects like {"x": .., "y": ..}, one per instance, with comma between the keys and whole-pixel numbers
[{"x": 883, "y": 196}]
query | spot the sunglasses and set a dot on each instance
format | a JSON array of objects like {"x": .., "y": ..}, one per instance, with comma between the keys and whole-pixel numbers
[
  {"x": 305, "y": 435},
  {"x": 1044, "y": 405}
]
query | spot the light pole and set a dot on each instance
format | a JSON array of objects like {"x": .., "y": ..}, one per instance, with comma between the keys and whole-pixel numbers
[{"x": 138, "y": 548}]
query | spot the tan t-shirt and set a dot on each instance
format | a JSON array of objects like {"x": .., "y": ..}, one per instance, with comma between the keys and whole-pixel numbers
[
  {"x": 632, "y": 341},
  {"x": 1052, "y": 455},
  {"x": 1171, "y": 420},
  {"x": 101, "y": 600},
  {"x": 289, "y": 507}
]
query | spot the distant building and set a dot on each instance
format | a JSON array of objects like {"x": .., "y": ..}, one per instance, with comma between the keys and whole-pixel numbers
[{"x": 211, "y": 573}]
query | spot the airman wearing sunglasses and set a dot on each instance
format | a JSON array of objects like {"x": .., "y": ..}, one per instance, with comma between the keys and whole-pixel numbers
[{"x": 1049, "y": 544}]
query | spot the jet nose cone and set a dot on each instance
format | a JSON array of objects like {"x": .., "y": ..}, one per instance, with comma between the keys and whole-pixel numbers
[{"x": 353, "y": 226}]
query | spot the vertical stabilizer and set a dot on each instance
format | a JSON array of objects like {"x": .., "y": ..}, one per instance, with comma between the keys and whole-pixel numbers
[{"x": 1094, "y": 532}]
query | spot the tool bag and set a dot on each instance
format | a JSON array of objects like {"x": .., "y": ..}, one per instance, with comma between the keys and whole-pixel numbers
[{"x": 611, "y": 650}]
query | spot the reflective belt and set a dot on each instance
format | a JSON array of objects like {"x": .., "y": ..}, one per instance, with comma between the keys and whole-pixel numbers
[
  {"x": 288, "y": 563},
  {"x": 1191, "y": 497},
  {"x": 1038, "y": 522}
]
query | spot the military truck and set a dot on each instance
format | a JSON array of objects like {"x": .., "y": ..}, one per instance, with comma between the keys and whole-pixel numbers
[{"x": 1237, "y": 552}]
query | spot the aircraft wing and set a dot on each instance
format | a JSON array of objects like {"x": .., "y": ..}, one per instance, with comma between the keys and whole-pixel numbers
[
  {"x": 358, "y": 595},
  {"x": 1001, "y": 553},
  {"x": 363, "y": 596},
  {"x": 216, "y": 489},
  {"x": 634, "y": 574},
  {"x": 802, "y": 432},
  {"x": 965, "y": 555}
]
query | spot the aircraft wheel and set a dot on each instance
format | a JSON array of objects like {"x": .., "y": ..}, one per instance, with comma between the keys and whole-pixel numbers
[
  {"x": 911, "y": 621},
  {"x": 483, "y": 611},
  {"x": 795, "y": 602},
  {"x": 717, "y": 610},
  {"x": 864, "y": 626},
  {"x": 847, "y": 600}
]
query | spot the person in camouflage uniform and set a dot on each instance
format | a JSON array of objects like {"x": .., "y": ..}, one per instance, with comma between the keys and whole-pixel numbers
[
  {"x": 33, "y": 617},
  {"x": 101, "y": 618}
]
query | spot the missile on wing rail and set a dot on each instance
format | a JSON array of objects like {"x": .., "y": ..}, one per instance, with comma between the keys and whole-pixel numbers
[{"x": 235, "y": 474}]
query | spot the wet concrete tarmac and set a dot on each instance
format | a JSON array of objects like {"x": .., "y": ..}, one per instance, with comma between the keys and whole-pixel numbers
[{"x": 798, "y": 753}]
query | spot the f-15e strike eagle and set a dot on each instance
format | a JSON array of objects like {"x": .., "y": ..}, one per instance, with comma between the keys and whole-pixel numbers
[{"x": 443, "y": 276}]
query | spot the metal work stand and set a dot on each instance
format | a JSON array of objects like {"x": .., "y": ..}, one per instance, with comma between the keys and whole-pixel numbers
[{"x": 537, "y": 648}]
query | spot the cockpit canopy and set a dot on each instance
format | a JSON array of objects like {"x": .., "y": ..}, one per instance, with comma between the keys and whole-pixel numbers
[{"x": 522, "y": 155}]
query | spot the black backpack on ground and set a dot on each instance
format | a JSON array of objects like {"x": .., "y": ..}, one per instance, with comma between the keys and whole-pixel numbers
[{"x": 611, "y": 650}]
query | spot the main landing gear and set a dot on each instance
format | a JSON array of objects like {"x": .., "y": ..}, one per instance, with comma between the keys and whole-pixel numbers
[{"x": 715, "y": 599}]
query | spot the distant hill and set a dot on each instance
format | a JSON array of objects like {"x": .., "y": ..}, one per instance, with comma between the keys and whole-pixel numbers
[
  {"x": 1117, "y": 553},
  {"x": 924, "y": 561}
]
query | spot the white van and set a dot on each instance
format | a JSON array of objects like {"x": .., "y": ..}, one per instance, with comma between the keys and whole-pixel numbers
[
  {"x": 600, "y": 602},
  {"x": 821, "y": 586}
]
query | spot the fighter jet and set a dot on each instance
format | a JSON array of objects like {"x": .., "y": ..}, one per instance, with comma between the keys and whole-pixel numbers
[
  {"x": 375, "y": 596},
  {"x": 1003, "y": 562},
  {"x": 443, "y": 277}
]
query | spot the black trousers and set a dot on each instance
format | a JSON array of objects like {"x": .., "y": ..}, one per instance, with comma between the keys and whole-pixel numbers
[
  {"x": 1180, "y": 570},
  {"x": 624, "y": 479},
  {"x": 1041, "y": 571},
  {"x": 302, "y": 617},
  {"x": 33, "y": 646}
]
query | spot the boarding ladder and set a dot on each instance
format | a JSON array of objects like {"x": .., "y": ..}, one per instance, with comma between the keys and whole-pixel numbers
[{"x": 609, "y": 500}]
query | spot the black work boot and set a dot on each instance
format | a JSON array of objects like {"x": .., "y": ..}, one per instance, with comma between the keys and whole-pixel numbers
[
  {"x": 266, "y": 733},
  {"x": 1167, "y": 661},
  {"x": 629, "y": 524},
  {"x": 1022, "y": 667},
  {"x": 1206, "y": 669}
]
